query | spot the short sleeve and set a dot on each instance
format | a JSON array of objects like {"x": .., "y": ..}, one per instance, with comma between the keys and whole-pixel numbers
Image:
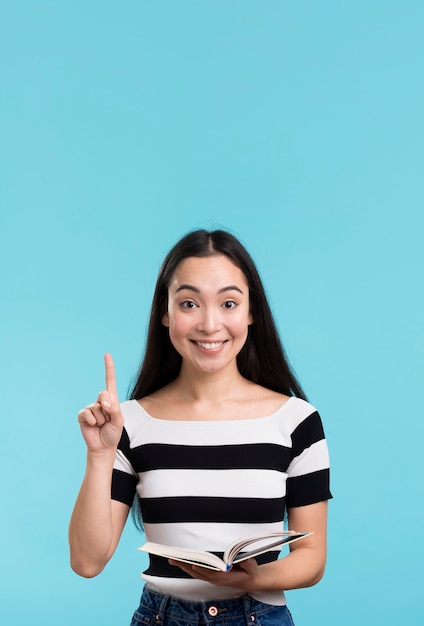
[
  {"x": 124, "y": 478},
  {"x": 308, "y": 474}
]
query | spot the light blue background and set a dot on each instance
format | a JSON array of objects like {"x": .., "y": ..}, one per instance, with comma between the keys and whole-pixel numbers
[{"x": 297, "y": 125}]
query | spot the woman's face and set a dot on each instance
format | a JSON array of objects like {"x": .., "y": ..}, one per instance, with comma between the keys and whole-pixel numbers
[{"x": 208, "y": 312}]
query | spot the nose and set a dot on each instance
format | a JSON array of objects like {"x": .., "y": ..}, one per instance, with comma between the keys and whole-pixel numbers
[{"x": 210, "y": 321}]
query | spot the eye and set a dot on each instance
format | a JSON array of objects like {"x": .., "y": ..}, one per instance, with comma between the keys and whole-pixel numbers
[
  {"x": 188, "y": 304},
  {"x": 229, "y": 304}
]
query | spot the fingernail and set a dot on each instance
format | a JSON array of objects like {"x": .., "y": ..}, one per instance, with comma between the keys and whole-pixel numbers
[{"x": 106, "y": 404}]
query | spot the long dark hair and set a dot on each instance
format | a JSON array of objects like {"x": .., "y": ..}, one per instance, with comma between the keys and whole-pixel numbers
[{"x": 261, "y": 360}]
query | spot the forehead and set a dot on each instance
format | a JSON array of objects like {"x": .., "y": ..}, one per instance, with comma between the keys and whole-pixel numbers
[{"x": 211, "y": 271}]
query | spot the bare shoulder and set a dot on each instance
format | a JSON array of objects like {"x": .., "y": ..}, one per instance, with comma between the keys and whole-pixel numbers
[
  {"x": 168, "y": 403},
  {"x": 157, "y": 403},
  {"x": 263, "y": 401}
]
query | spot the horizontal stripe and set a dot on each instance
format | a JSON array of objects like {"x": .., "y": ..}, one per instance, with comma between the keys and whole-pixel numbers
[
  {"x": 306, "y": 434},
  {"x": 123, "y": 487},
  {"x": 308, "y": 489},
  {"x": 213, "y": 483},
  {"x": 124, "y": 443},
  {"x": 122, "y": 463},
  {"x": 159, "y": 566},
  {"x": 294, "y": 413},
  {"x": 144, "y": 429},
  {"x": 312, "y": 459},
  {"x": 203, "y": 535},
  {"x": 196, "y": 509},
  {"x": 155, "y": 456}
]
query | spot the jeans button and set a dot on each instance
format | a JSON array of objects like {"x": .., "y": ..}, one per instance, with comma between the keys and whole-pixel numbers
[{"x": 213, "y": 611}]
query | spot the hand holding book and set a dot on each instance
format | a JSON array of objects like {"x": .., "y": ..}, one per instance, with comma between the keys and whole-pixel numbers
[{"x": 240, "y": 550}]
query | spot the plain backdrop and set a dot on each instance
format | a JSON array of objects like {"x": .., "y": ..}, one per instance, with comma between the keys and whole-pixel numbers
[{"x": 297, "y": 125}]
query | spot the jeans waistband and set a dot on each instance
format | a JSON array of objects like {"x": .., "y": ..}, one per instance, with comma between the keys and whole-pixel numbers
[{"x": 200, "y": 612}]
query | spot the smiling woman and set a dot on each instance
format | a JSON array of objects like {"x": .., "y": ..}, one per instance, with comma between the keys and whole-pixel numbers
[
  {"x": 217, "y": 441},
  {"x": 208, "y": 313}
]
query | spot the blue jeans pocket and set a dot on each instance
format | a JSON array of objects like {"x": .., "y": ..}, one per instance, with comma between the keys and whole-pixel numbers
[
  {"x": 268, "y": 615},
  {"x": 145, "y": 618}
]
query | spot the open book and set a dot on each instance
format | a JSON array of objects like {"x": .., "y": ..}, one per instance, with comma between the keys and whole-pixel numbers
[{"x": 239, "y": 550}]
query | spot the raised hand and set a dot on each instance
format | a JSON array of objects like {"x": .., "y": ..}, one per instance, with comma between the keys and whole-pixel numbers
[{"x": 101, "y": 422}]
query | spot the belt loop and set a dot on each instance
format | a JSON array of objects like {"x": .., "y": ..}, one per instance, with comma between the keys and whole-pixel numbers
[
  {"x": 248, "y": 612},
  {"x": 162, "y": 609}
]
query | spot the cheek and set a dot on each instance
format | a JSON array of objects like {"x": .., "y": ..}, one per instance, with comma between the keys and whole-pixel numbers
[
  {"x": 178, "y": 324},
  {"x": 241, "y": 324}
]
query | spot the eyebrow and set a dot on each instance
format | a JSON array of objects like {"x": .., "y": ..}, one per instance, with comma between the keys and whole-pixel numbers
[{"x": 196, "y": 290}]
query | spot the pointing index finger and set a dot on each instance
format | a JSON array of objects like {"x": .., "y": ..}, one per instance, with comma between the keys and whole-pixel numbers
[{"x": 110, "y": 375}]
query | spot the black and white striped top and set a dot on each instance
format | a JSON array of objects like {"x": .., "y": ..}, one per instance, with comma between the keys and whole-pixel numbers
[{"x": 203, "y": 484}]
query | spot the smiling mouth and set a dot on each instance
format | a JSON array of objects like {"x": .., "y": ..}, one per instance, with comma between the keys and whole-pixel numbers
[{"x": 209, "y": 345}]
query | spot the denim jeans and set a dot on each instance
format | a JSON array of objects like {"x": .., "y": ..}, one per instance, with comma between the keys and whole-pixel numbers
[{"x": 158, "y": 610}]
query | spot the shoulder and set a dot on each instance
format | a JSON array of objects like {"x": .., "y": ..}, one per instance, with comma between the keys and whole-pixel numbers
[
  {"x": 161, "y": 403},
  {"x": 297, "y": 416},
  {"x": 299, "y": 409},
  {"x": 257, "y": 401},
  {"x": 130, "y": 409},
  {"x": 134, "y": 416},
  {"x": 287, "y": 408}
]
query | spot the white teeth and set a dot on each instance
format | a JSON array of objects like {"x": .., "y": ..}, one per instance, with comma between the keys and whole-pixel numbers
[{"x": 209, "y": 346}]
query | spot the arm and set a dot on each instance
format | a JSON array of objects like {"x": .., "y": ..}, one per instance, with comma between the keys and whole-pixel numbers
[
  {"x": 97, "y": 521},
  {"x": 303, "y": 567},
  {"x": 305, "y": 564}
]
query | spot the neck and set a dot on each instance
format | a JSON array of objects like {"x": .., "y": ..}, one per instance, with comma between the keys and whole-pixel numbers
[{"x": 210, "y": 387}]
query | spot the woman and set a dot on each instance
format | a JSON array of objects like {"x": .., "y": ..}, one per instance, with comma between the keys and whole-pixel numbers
[{"x": 217, "y": 441}]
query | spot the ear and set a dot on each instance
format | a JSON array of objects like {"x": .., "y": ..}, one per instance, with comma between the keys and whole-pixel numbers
[
  {"x": 250, "y": 319},
  {"x": 165, "y": 320}
]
